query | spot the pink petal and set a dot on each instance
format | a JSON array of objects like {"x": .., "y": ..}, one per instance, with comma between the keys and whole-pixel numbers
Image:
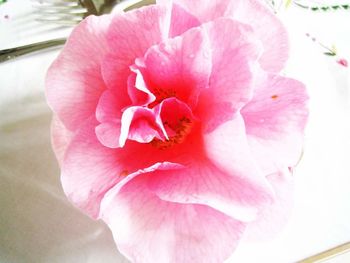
[
  {"x": 171, "y": 111},
  {"x": 130, "y": 35},
  {"x": 74, "y": 82},
  {"x": 109, "y": 107},
  {"x": 202, "y": 183},
  {"x": 179, "y": 67},
  {"x": 234, "y": 52},
  {"x": 270, "y": 31},
  {"x": 275, "y": 120},
  {"x": 275, "y": 216},
  {"x": 142, "y": 131},
  {"x": 108, "y": 133},
  {"x": 204, "y": 10},
  {"x": 228, "y": 148},
  {"x": 140, "y": 124},
  {"x": 89, "y": 170},
  {"x": 181, "y": 21},
  {"x": 109, "y": 112},
  {"x": 147, "y": 229},
  {"x": 137, "y": 89},
  {"x": 159, "y": 166},
  {"x": 60, "y": 138},
  {"x": 268, "y": 28},
  {"x": 232, "y": 185}
]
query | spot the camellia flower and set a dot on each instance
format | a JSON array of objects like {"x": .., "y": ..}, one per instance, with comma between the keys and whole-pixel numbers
[{"x": 173, "y": 125}]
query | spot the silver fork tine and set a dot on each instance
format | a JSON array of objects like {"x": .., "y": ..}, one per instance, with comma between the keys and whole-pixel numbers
[
  {"x": 64, "y": 12},
  {"x": 64, "y": 21},
  {"x": 49, "y": 2}
]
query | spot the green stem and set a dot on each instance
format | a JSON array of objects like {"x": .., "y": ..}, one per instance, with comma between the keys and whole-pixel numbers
[{"x": 324, "y": 8}]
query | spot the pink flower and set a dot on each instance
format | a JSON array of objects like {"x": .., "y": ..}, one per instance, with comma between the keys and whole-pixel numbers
[
  {"x": 172, "y": 124},
  {"x": 343, "y": 62}
]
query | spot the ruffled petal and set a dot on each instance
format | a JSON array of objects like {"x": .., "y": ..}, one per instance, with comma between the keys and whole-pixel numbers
[
  {"x": 89, "y": 169},
  {"x": 203, "y": 183},
  {"x": 203, "y": 10},
  {"x": 109, "y": 107},
  {"x": 149, "y": 230},
  {"x": 129, "y": 36},
  {"x": 268, "y": 27},
  {"x": 234, "y": 54},
  {"x": 137, "y": 89},
  {"x": 140, "y": 124},
  {"x": 108, "y": 133},
  {"x": 181, "y": 21},
  {"x": 60, "y": 138},
  {"x": 172, "y": 111},
  {"x": 179, "y": 67},
  {"x": 275, "y": 120},
  {"x": 74, "y": 82},
  {"x": 274, "y": 217},
  {"x": 229, "y": 181}
]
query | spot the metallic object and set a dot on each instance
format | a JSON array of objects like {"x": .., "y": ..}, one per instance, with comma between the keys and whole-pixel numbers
[
  {"x": 337, "y": 254},
  {"x": 65, "y": 12}
]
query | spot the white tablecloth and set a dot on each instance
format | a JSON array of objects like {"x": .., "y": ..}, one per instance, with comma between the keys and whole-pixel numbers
[{"x": 37, "y": 224}]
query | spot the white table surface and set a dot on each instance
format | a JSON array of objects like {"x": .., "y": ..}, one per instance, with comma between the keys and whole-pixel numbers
[{"x": 37, "y": 224}]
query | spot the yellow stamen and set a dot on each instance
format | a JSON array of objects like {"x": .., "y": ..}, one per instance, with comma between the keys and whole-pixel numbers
[{"x": 182, "y": 129}]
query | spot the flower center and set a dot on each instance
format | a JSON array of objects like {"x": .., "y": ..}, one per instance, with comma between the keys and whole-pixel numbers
[{"x": 182, "y": 128}]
